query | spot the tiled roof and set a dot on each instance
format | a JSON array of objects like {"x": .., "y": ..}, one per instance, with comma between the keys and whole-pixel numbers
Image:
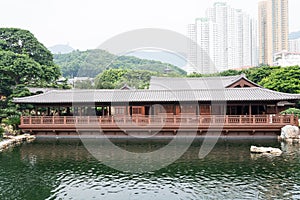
[
  {"x": 107, "y": 96},
  {"x": 167, "y": 83}
]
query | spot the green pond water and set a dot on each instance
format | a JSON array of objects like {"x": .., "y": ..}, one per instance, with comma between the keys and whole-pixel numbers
[{"x": 64, "y": 169}]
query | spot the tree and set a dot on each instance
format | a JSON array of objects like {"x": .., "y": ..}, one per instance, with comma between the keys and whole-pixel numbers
[
  {"x": 194, "y": 75},
  {"x": 24, "y": 62},
  {"x": 116, "y": 78},
  {"x": 291, "y": 111},
  {"x": 23, "y": 42},
  {"x": 22, "y": 55},
  {"x": 19, "y": 68},
  {"x": 230, "y": 72},
  {"x": 285, "y": 79},
  {"x": 256, "y": 74}
]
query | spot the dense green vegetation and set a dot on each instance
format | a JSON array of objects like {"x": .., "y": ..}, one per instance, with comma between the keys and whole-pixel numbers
[
  {"x": 281, "y": 79},
  {"x": 117, "y": 78},
  {"x": 92, "y": 62},
  {"x": 293, "y": 111},
  {"x": 24, "y": 62}
]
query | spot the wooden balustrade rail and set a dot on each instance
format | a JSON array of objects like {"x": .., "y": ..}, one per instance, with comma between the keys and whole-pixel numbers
[{"x": 160, "y": 120}]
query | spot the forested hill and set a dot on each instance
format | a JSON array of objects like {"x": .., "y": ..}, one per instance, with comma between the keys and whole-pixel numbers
[{"x": 92, "y": 62}]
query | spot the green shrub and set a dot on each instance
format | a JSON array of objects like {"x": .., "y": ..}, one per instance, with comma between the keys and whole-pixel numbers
[
  {"x": 5, "y": 121},
  {"x": 14, "y": 121},
  {"x": 294, "y": 111}
]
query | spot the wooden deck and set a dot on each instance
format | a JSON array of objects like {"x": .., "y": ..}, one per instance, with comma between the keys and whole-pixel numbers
[{"x": 201, "y": 124}]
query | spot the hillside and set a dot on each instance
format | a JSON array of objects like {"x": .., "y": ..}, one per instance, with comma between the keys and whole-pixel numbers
[{"x": 92, "y": 62}]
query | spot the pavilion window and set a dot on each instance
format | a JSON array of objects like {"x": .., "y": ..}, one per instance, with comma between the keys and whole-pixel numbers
[{"x": 137, "y": 110}]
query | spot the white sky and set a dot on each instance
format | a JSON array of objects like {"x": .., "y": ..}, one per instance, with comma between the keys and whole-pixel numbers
[{"x": 86, "y": 24}]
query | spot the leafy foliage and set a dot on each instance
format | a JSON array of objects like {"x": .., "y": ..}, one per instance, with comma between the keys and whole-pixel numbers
[
  {"x": 284, "y": 80},
  {"x": 293, "y": 111},
  {"x": 23, "y": 42},
  {"x": 19, "y": 68},
  {"x": 92, "y": 62},
  {"x": 230, "y": 72},
  {"x": 24, "y": 62},
  {"x": 116, "y": 78},
  {"x": 195, "y": 75},
  {"x": 257, "y": 74}
]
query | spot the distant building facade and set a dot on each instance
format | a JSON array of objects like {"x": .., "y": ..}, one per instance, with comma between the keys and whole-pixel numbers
[
  {"x": 286, "y": 59},
  {"x": 273, "y": 29},
  {"x": 294, "y": 45},
  {"x": 226, "y": 39}
]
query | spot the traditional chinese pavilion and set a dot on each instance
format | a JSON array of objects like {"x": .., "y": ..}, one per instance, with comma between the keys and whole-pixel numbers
[{"x": 234, "y": 105}]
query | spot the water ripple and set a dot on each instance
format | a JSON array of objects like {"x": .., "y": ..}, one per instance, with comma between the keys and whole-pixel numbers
[{"x": 65, "y": 170}]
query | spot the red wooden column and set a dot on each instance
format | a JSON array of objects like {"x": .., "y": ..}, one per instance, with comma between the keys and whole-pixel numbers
[{"x": 292, "y": 119}]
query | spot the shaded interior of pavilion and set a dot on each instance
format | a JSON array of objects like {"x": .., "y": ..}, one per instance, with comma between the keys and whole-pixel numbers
[{"x": 136, "y": 109}]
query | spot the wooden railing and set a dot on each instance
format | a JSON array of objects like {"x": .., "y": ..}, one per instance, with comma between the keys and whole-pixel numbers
[{"x": 160, "y": 120}]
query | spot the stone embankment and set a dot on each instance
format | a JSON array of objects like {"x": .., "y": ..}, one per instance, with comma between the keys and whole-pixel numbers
[
  {"x": 290, "y": 134},
  {"x": 12, "y": 141}
]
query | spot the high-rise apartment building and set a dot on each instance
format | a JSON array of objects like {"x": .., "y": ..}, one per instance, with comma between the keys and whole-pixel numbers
[
  {"x": 192, "y": 50},
  {"x": 273, "y": 29},
  {"x": 294, "y": 45},
  {"x": 208, "y": 45},
  {"x": 227, "y": 36}
]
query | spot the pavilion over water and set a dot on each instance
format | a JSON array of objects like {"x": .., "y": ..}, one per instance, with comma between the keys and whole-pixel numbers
[{"x": 170, "y": 104}]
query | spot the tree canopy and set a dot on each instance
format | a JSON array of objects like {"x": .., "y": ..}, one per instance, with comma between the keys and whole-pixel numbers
[
  {"x": 18, "y": 69},
  {"x": 257, "y": 74},
  {"x": 23, "y": 42},
  {"x": 24, "y": 62},
  {"x": 281, "y": 79},
  {"x": 285, "y": 79},
  {"x": 116, "y": 78}
]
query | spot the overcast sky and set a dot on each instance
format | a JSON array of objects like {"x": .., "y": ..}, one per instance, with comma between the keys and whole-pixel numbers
[{"x": 86, "y": 24}]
